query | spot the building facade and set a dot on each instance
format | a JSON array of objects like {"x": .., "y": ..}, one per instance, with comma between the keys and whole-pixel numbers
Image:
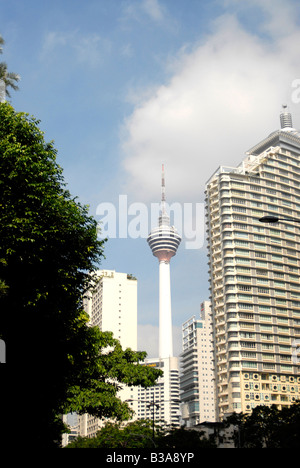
[
  {"x": 197, "y": 374},
  {"x": 112, "y": 306},
  {"x": 162, "y": 401},
  {"x": 254, "y": 274}
]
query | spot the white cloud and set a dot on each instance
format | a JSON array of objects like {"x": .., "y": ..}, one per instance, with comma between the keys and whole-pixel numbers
[
  {"x": 89, "y": 49},
  {"x": 52, "y": 40},
  {"x": 127, "y": 50},
  {"x": 223, "y": 97},
  {"x": 139, "y": 10},
  {"x": 279, "y": 16},
  {"x": 153, "y": 9}
]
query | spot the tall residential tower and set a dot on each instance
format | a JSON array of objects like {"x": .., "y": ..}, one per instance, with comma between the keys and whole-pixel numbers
[
  {"x": 255, "y": 274},
  {"x": 197, "y": 374}
]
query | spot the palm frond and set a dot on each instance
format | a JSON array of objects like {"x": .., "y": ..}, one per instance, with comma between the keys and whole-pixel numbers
[
  {"x": 8, "y": 78},
  {"x": 2, "y": 42}
]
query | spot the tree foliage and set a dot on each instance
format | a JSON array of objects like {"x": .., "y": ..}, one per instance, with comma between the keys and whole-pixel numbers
[
  {"x": 3, "y": 287},
  {"x": 139, "y": 434},
  {"x": 50, "y": 250},
  {"x": 9, "y": 79},
  {"x": 183, "y": 439},
  {"x": 268, "y": 427}
]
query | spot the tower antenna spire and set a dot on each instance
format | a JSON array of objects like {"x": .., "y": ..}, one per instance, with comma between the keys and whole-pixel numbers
[
  {"x": 163, "y": 190},
  {"x": 164, "y": 217}
]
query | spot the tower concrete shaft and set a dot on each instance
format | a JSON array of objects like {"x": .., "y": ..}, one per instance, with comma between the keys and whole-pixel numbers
[
  {"x": 165, "y": 311},
  {"x": 164, "y": 242}
]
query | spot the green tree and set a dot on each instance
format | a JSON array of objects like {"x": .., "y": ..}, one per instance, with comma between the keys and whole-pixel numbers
[
  {"x": 1, "y": 44},
  {"x": 136, "y": 434},
  {"x": 287, "y": 434},
  {"x": 102, "y": 367},
  {"x": 182, "y": 439},
  {"x": 50, "y": 250},
  {"x": 9, "y": 79},
  {"x": 3, "y": 287},
  {"x": 268, "y": 427},
  {"x": 139, "y": 434}
]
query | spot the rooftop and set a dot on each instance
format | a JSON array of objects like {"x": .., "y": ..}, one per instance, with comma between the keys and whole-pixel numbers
[{"x": 287, "y": 134}]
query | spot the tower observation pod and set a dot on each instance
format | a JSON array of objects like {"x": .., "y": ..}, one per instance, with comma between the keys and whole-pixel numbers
[{"x": 164, "y": 242}]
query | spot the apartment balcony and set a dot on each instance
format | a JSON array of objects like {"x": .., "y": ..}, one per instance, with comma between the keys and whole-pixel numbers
[
  {"x": 223, "y": 393},
  {"x": 223, "y": 404},
  {"x": 234, "y": 357},
  {"x": 221, "y": 351}
]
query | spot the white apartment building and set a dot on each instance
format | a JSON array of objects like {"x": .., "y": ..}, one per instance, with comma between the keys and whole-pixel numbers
[
  {"x": 254, "y": 272},
  {"x": 197, "y": 374},
  {"x": 161, "y": 402},
  {"x": 112, "y": 306}
]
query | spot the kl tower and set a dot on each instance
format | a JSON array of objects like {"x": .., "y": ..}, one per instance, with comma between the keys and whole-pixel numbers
[
  {"x": 163, "y": 398},
  {"x": 164, "y": 242}
]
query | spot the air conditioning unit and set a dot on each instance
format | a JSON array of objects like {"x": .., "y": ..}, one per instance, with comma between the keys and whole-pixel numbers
[
  {"x": 275, "y": 388},
  {"x": 293, "y": 399},
  {"x": 256, "y": 386},
  {"x": 247, "y": 396},
  {"x": 248, "y": 407},
  {"x": 267, "y": 397},
  {"x": 292, "y": 389},
  {"x": 292, "y": 379},
  {"x": 246, "y": 376},
  {"x": 284, "y": 388},
  {"x": 298, "y": 379},
  {"x": 255, "y": 376},
  {"x": 257, "y": 397},
  {"x": 274, "y": 378},
  {"x": 247, "y": 386}
]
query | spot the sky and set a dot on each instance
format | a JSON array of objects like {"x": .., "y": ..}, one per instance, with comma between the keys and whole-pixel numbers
[{"x": 124, "y": 86}]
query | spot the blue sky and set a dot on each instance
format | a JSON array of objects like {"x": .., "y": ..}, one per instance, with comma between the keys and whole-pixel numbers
[{"x": 123, "y": 86}]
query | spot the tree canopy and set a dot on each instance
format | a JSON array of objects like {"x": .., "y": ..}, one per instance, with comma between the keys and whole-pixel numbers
[
  {"x": 3, "y": 287},
  {"x": 139, "y": 435},
  {"x": 268, "y": 427},
  {"x": 49, "y": 252},
  {"x": 9, "y": 79}
]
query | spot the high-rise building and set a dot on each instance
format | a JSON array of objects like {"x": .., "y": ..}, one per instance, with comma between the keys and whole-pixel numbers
[
  {"x": 162, "y": 400},
  {"x": 254, "y": 274},
  {"x": 112, "y": 306},
  {"x": 197, "y": 383}
]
